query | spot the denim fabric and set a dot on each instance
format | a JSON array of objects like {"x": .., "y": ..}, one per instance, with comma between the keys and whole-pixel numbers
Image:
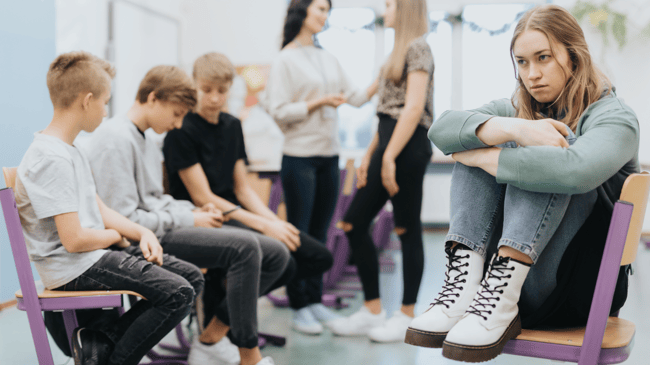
[
  {"x": 249, "y": 265},
  {"x": 311, "y": 188},
  {"x": 310, "y": 260},
  {"x": 486, "y": 215},
  {"x": 170, "y": 291},
  {"x": 407, "y": 205}
]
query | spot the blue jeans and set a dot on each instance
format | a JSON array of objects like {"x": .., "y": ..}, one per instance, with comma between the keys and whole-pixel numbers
[
  {"x": 311, "y": 188},
  {"x": 170, "y": 291},
  {"x": 486, "y": 215}
]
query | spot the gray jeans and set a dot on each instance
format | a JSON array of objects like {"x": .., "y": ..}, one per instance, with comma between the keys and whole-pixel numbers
[
  {"x": 249, "y": 265},
  {"x": 486, "y": 215}
]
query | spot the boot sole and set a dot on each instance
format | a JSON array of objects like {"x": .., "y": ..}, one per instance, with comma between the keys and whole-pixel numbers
[
  {"x": 424, "y": 339},
  {"x": 481, "y": 353}
]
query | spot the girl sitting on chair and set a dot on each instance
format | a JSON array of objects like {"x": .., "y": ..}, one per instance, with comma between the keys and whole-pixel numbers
[{"x": 523, "y": 188}]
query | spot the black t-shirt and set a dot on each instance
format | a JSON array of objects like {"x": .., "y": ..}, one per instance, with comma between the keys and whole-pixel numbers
[{"x": 217, "y": 147}]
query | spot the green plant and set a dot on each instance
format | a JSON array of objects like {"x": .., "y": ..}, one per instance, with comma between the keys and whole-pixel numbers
[{"x": 606, "y": 20}]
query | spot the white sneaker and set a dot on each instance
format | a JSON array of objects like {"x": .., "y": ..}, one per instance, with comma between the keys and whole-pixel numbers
[
  {"x": 266, "y": 361},
  {"x": 305, "y": 322},
  {"x": 357, "y": 324},
  {"x": 463, "y": 280},
  {"x": 493, "y": 317},
  {"x": 322, "y": 313},
  {"x": 393, "y": 330},
  {"x": 222, "y": 352}
]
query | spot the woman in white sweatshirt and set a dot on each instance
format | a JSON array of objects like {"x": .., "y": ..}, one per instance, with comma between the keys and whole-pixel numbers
[{"x": 305, "y": 86}]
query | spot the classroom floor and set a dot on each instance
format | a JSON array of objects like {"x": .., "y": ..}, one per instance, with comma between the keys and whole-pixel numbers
[{"x": 16, "y": 346}]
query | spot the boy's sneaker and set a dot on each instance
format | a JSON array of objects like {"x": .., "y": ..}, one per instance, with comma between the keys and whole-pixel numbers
[
  {"x": 305, "y": 322},
  {"x": 357, "y": 324},
  {"x": 322, "y": 313},
  {"x": 90, "y": 347},
  {"x": 393, "y": 330},
  {"x": 266, "y": 361},
  {"x": 222, "y": 352}
]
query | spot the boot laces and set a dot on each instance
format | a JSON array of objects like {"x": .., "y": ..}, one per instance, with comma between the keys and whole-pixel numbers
[
  {"x": 484, "y": 301},
  {"x": 452, "y": 286}
]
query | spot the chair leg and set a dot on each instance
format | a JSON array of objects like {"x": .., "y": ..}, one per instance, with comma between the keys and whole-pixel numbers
[
  {"x": 70, "y": 321},
  {"x": 39, "y": 335}
]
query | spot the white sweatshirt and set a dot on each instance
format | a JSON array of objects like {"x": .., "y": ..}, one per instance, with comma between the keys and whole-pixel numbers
[
  {"x": 128, "y": 174},
  {"x": 300, "y": 75}
]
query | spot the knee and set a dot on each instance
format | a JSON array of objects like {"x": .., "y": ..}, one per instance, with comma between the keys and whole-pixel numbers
[
  {"x": 196, "y": 279},
  {"x": 345, "y": 226},
  {"x": 400, "y": 231},
  {"x": 249, "y": 251},
  {"x": 181, "y": 299}
]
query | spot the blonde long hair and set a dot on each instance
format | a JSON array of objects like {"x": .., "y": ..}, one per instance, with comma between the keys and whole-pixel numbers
[
  {"x": 410, "y": 23},
  {"x": 585, "y": 83}
]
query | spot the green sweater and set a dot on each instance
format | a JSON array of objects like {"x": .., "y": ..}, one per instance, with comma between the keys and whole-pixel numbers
[{"x": 602, "y": 157}]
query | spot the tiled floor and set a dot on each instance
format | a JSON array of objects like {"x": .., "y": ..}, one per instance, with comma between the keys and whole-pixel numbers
[{"x": 16, "y": 347}]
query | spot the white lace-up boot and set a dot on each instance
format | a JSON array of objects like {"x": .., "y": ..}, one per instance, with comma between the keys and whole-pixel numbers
[
  {"x": 493, "y": 317},
  {"x": 464, "y": 274}
]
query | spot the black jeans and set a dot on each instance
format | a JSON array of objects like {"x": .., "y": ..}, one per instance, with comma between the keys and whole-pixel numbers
[
  {"x": 305, "y": 269},
  {"x": 250, "y": 266},
  {"x": 411, "y": 165},
  {"x": 170, "y": 291},
  {"x": 311, "y": 188}
]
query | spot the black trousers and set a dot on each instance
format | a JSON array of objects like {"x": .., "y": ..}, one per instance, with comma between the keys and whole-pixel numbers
[
  {"x": 411, "y": 165},
  {"x": 307, "y": 265}
]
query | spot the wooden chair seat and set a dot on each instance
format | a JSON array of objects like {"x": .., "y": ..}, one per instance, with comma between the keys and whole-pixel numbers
[
  {"x": 619, "y": 333},
  {"x": 47, "y": 294}
]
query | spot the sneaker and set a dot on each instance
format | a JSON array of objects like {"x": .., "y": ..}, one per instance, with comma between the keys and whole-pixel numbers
[
  {"x": 90, "y": 347},
  {"x": 305, "y": 322},
  {"x": 463, "y": 281},
  {"x": 357, "y": 324},
  {"x": 493, "y": 317},
  {"x": 222, "y": 352},
  {"x": 393, "y": 330},
  {"x": 322, "y": 313},
  {"x": 266, "y": 361}
]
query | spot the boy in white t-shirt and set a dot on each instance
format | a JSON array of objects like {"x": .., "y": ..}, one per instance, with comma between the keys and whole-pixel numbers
[{"x": 77, "y": 243}]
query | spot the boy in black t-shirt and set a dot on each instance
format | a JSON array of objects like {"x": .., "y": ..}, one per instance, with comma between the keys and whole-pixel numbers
[{"x": 206, "y": 163}]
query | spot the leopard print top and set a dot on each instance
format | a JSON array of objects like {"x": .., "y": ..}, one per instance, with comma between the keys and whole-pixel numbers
[{"x": 392, "y": 96}]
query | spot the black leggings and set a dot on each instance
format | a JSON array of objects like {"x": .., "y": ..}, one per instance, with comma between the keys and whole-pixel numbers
[{"x": 407, "y": 204}]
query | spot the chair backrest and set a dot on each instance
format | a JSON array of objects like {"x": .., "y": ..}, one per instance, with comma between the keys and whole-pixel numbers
[
  {"x": 635, "y": 190},
  {"x": 18, "y": 247},
  {"x": 10, "y": 176}
]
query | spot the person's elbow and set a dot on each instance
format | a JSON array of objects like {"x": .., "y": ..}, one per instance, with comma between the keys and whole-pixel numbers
[
  {"x": 573, "y": 184},
  {"x": 73, "y": 242}
]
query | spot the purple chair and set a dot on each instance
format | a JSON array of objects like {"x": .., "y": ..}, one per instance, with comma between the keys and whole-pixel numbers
[
  {"x": 605, "y": 340},
  {"x": 67, "y": 302}
]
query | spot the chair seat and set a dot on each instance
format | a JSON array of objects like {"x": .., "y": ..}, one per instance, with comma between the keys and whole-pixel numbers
[
  {"x": 47, "y": 294},
  {"x": 619, "y": 333}
]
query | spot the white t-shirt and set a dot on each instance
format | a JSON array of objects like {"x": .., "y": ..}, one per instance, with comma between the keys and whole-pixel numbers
[{"x": 55, "y": 178}]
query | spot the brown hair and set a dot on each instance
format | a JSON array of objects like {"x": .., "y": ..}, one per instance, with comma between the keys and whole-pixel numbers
[
  {"x": 410, "y": 23},
  {"x": 73, "y": 73},
  {"x": 168, "y": 83},
  {"x": 213, "y": 67},
  {"x": 585, "y": 83}
]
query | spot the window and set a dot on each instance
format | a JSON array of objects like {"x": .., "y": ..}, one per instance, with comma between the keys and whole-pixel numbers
[
  {"x": 487, "y": 69},
  {"x": 350, "y": 37}
]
